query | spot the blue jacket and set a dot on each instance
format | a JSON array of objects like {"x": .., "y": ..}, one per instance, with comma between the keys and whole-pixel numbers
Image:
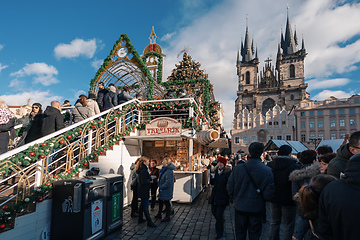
[
  {"x": 110, "y": 100},
  {"x": 166, "y": 183},
  {"x": 246, "y": 198}
]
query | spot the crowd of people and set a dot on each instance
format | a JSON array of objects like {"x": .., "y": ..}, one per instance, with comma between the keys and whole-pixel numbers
[
  {"x": 42, "y": 123},
  {"x": 146, "y": 179},
  {"x": 314, "y": 195}
]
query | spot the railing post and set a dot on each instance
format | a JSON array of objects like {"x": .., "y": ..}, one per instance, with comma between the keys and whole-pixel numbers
[
  {"x": 39, "y": 173},
  {"x": 89, "y": 142}
]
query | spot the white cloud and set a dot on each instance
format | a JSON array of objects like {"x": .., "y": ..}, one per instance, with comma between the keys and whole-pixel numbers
[
  {"x": 1, "y": 47},
  {"x": 328, "y": 93},
  {"x": 167, "y": 36},
  {"x": 76, "y": 48},
  {"x": 41, "y": 72},
  {"x": 328, "y": 83},
  {"x": 214, "y": 39},
  {"x": 96, "y": 64},
  {"x": 17, "y": 84},
  {"x": 2, "y": 66},
  {"x": 44, "y": 98}
]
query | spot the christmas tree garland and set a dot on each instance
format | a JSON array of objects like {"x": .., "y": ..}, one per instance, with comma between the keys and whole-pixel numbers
[{"x": 159, "y": 67}]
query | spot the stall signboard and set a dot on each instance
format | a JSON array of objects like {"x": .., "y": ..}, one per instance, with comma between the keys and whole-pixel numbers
[
  {"x": 163, "y": 126},
  {"x": 159, "y": 143}
]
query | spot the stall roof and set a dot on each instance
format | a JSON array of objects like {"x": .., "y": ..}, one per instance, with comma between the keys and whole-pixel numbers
[
  {"x": 220, "y": 143},
  {"x": 295, "y": 145},
  {"x": 157, "y": 137},
  {"x": 334, "y": 144}
]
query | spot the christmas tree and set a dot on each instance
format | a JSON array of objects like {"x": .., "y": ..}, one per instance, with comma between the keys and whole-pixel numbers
[{"x": 187, "y": 69}]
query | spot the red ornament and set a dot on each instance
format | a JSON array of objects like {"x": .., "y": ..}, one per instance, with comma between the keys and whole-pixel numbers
[
  {"x": 132, "y": 107},
  {"x": 32, "y": 154},
  {"x": 85, "y": 163},
  {"x": 111, "y": 146},
  {"x": 183, "y": 108},
  {"x": 104, "y": 148},
  {"x": 154, "y": 109},
  {"x": 68, "y": 136},
  {"x": 42, "y": 156},
  {"x": 126, "y": 127},
  {"x": 41, "y": 199},
  {"x": 68, "y": 171},
  {"x": 123, "y": 134},
  {"x": 93, "y": 127},
  {"x": 99, "y": 122},
  {"x": 5, "y": 207},
  {"x": 62, "y": 142},
  {"x": 163, "y": 108},
  {"x": 56, "y": 176},
  {"x": 101, "y": 152},
  {"x": 2, "y": 226},
  {"x": 95, "y": 153},
  {"x": 145, "y": 122},
  {"x": 48, "y": 184},
  {"x": 123, "y": 109},
  {"x": 43, "y": 144},
  {"x": 80, "y": 131}
]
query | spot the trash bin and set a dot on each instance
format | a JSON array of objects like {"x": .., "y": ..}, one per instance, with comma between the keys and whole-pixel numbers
[
  {"x": 114, "y": 201},
  {"x": 78, "y": 209}
]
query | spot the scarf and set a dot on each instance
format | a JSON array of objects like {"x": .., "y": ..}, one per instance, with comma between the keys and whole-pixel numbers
[
  {"x": 162, "y": 170},
  {"x": 5, "y": 115}
]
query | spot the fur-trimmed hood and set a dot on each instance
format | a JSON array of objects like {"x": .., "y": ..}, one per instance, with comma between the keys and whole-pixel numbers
[
  {"x": 305, "y": 173},
  {"x": 226, "y": 169}
]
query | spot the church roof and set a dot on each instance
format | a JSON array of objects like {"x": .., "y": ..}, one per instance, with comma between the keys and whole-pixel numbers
[{"x": 288, "y": 44}]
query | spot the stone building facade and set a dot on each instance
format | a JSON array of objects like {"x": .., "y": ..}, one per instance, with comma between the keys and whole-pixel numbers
[
  {"x": 279, "y": 85},
  {"x": 329, "y": 119}
]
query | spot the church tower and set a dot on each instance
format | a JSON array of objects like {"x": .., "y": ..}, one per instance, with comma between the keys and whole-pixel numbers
[{"x": 247, "y": 71}]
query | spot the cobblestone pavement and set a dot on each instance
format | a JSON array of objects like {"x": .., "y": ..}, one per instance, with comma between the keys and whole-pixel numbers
[{"x": 190, "y": 221}]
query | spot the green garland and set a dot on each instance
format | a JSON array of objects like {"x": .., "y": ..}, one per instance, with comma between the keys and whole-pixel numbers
[
  {"x": 159, "y": 68},
  {"x": 141, "y": 65}
]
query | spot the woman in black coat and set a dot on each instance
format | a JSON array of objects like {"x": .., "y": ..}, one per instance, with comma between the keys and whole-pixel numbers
[
  {"x": 219, "y": 198},
  {"x": 142, "y": 171},
  {"x": 35, "y": 124}
]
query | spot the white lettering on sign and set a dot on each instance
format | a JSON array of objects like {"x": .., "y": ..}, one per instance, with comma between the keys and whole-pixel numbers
[{"x": 163, "y": 126}]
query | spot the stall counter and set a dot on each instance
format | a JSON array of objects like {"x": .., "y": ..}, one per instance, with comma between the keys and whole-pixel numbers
[{"x": 188, "y": 185}]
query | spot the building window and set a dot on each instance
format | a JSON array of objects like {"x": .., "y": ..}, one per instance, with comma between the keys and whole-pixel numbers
[
  {"x": 321, "y": 135},
  {"x": 332, "y": 112},
  {"x": 288, "y": 137},
  {"x": 342, "y": 122},
  {"x": 311, "y": 113},
  {"x": 279, "y": 137},
  {"x": 341, "y": 111},
  {"x": 283, "y": 122},
  {"x": 352, "y": 122},
  {"x": 292, "y": 97},
  {"x": 312, "y": 135},
  {"x": 312, "y": 124},
  {"x": 332, "y": 123},
  {"x": 237, "y": 140},
  {"x": 333, "y": 136},
  {"x": 292, "y": 71},
  {"x": 320, "y": 113},
  {"x": 253, "y": 139},
  {"x": 270, "y": 123},
  {"x": 302, "y": 114},
  {"x": 320, "y": 123},
  {"x": 351, "y": 110},
  {"x": 303, "y": 137},
  {"x": 342, "y": 135},
  {"x": 247, "y": 77},
  {"x": 270, "y": 137},
  {"x": 302, "y": 124},
  {"x": 245, "y": 140},
  {"x": 276, "y": 123},
  {"x": 356, "y": 100}
]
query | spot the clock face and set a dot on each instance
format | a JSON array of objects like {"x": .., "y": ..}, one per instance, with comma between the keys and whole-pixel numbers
[{"x": 122, "y": 52}]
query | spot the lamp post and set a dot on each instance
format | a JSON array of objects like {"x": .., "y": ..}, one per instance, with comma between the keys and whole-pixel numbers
[{"x": 316, "y": 141}]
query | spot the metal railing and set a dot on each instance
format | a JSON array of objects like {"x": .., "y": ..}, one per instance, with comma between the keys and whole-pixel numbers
[{"x": 61, "y": 153}]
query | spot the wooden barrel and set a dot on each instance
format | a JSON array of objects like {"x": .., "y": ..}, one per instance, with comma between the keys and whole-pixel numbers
[{"x": 207, "y": 136}]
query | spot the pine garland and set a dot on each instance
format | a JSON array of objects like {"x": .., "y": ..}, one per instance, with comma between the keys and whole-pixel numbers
[{"x": 159, "y": 68}]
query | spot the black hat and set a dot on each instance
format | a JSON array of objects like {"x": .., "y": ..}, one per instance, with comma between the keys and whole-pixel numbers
[
  {"x": 92, "y": 95},
  {"x": 284, "y": 150},
  {"x": 37, "y": 104}
]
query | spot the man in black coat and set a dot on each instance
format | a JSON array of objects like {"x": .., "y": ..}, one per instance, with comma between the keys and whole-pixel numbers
[
  {"x": 282, "y": 205},
  {"x": 251, "y": 184},
  {"x": 339, "y": 209},
  {"x": 219, "y": 198},
  {"x": 53, "y": 120},
  {"x": 100, "y": 96}
]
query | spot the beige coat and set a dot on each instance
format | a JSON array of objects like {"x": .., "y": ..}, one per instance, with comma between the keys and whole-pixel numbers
[{"x": 93, "y": 105}]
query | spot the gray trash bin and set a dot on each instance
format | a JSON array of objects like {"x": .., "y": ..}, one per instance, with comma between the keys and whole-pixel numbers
[
  {"x": 114, "y": 201},
  {"x": 78, "y": 209}
]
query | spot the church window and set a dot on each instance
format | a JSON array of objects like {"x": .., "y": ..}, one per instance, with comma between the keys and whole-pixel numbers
[
  {"x": 292, "y": 96},
  {"x": 283, "y": 122},
  {"x": 270, "y": 123},
  {"x": 276, "y": 123},
  {"x": 247, "y": 77},
  {"x": 292, "y": 71}
]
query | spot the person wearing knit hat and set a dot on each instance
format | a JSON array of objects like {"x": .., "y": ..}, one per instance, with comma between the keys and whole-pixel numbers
[
  {"x": 284, "y": 150},
  {"x": 219, "y": 198}
]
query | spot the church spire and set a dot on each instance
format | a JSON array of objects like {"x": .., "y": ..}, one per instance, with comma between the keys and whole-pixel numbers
[
  {"x": 152, "y": 36},
  {"x": 303, "y": 43},
  {"x": 288, "y": 44},
  {"x": 247, "y": 50}
]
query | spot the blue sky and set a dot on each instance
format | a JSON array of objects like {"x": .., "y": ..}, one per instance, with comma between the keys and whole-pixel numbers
[{"x": 51, "y": 49}]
